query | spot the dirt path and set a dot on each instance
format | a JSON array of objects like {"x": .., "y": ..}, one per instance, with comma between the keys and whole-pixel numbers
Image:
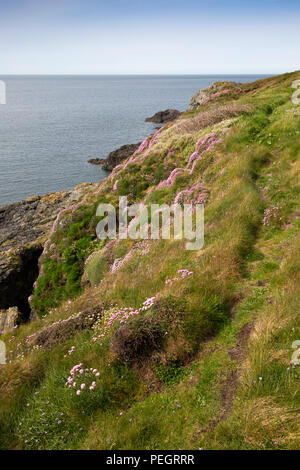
[{"x": 237, "y": 354}]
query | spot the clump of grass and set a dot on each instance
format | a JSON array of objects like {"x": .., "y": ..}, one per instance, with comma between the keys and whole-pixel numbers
[
  {"x": 209, "y": 118},
  {"x": 138, "y": 339}
]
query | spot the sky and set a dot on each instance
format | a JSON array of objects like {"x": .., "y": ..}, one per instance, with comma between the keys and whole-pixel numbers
[{"x": 149, "y": 36}]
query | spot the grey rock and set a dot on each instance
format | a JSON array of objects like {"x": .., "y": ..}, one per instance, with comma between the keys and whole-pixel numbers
[
  {"x": 8, "y": 319},
  {"x": 164, "y": 116},
  {"x": 115, "y": 157},
  {"x": 206, "y": 94}
]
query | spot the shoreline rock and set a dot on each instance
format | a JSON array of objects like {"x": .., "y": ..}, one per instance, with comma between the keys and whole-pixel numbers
[
  {"x": 115, "y": 157},
  {"x": 164, "y": 116}
]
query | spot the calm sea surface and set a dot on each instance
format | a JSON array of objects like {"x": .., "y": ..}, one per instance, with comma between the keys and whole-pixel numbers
[{"x": 51, "y": 125}]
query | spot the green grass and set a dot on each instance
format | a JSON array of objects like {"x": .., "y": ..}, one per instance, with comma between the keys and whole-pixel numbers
[{"x": 226, "y": 326}]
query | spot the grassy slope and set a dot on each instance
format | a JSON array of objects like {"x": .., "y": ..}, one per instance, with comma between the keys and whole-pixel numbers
[{"x": 221, "y": 378}]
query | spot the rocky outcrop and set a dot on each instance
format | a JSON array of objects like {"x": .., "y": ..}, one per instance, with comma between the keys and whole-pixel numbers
[
  {"x": 24, "y": 227},
  {"x": 164, "y": 116},
  {"x": 115, "y": 157},
  {"x": 210, "y": 93},
  {"x": 8, "y": 319}
]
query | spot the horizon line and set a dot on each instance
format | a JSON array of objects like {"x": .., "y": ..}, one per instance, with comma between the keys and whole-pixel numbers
[{"x": 135, "y": 74}]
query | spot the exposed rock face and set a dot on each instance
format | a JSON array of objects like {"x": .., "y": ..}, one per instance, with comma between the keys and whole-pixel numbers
[
  {"x": 214, "y": 90},
  {"x": 164, "y": 116},
  {"x": 24, "y": 227},
  {"x": 8, "y": 319},
  {"x": 115, "y": 157},
  {"x": 17, "y": 278}
]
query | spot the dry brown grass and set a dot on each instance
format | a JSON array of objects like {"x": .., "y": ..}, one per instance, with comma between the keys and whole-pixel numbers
[
  {"x": 137, "y": 340},
  {"x": 209, "y": 118},
  {"x": 61, "y": 331},
  {"x": 259, "y": 418}
]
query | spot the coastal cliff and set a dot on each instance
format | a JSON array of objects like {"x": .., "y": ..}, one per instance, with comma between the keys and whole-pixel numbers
[
  {"x": 141, "y": 343},
  {"x": 24, "y": 227}
]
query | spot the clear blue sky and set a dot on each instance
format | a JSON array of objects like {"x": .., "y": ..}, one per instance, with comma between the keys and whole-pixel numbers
[{"x": 149, "y": 36}]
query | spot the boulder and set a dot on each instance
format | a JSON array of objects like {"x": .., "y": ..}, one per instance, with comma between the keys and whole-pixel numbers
[
  {"x": 115, "y": 157},
  {"x": 164, "y": 116}
]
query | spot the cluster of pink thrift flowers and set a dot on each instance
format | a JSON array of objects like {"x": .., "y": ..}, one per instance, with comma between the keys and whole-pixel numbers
[
  {"x": 147, "y": 144},
  {"x": 142, "y": 247},
  {"x": 140, "y": 153},
  {"x": 144, "y": 145},
  {"x": 118, "y": 263},
  {"x": 150, "y": 302},
  {"x": 29, "y": 338},
  {"x": 154, "y": 138},
  {"x": 70, "y": 351},
  {"x": 188, "y": 195},
  {"x": 204, "y": 145},
  {"x": 171, "y": 179},
  {"x": 125, "y": 314},
  {"x": 214, "y": 96},
  {"x": 183, "y": 273},
  {"x": 81, "y": 379},
  {"x": 271, "y": 214}
]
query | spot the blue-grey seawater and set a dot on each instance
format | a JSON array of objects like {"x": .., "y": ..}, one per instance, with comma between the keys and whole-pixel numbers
[{"x": 51, "y": 125}]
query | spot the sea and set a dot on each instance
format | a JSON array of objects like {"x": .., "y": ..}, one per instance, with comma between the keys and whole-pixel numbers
[{"x": 52, "y": 125}]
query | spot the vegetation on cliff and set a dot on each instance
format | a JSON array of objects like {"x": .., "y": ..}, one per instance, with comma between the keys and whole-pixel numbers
[{"x": 146, "y": 345}]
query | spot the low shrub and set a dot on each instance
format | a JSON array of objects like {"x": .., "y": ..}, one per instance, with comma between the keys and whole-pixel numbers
[{"x": 137, "y": 339}]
